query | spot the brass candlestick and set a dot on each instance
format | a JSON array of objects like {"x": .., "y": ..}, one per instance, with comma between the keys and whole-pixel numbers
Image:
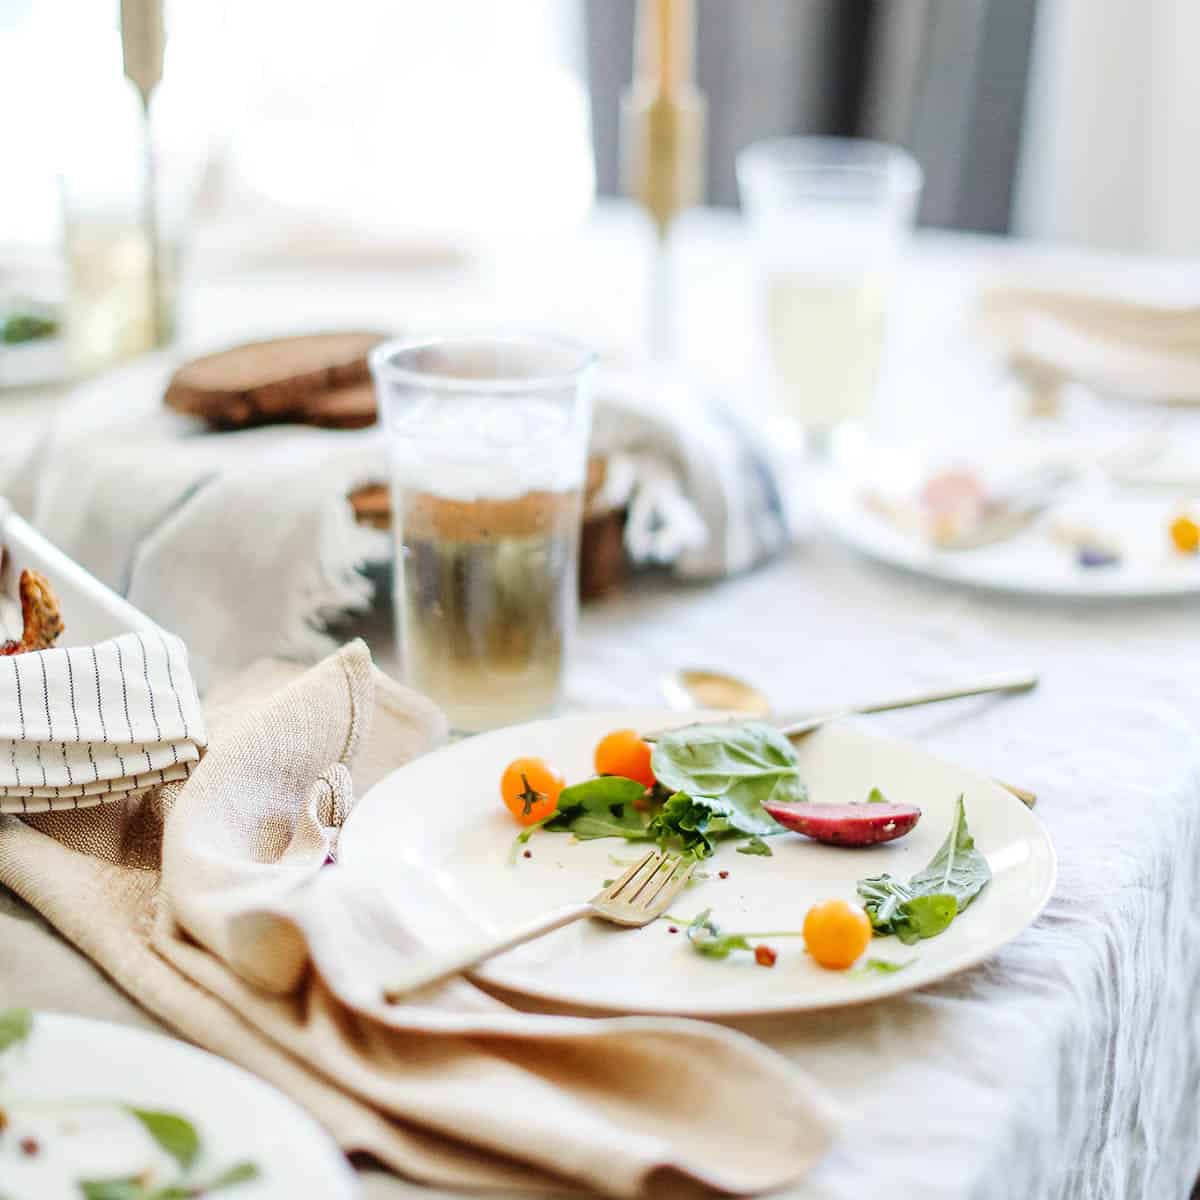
[
  {"x": 142, "y": 49},
  {"x": 662, "y": 128}
]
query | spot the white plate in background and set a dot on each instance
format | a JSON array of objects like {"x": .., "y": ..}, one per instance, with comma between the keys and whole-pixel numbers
[
  {"x": 238, "y": 1116},
  {"x": 1031, "y": 563}
]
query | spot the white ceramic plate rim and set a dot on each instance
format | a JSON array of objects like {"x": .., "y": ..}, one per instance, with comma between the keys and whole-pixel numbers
[{"x": 518, "y": 982}]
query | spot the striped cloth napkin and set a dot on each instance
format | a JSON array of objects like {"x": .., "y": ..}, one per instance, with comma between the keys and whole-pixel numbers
[{"x": 88, "y": 724}]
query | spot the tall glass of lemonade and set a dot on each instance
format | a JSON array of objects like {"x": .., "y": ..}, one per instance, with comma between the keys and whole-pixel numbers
[
  {"x": 829, "y": 221},
  {"x": 488, "y": 442}
]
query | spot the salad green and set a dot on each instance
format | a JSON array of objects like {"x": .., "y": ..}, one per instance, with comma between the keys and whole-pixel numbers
[
  {"x": 927, "y": 904},
  {"x": 707, "y": 937},
  {"x": 756, "y": 846},
  {"x": 712, "y": 781},
  {"x": 21, "y": 327}
]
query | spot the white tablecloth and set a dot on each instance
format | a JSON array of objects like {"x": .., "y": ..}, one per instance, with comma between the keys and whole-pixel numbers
[{"x": 1068, "y": 1065}]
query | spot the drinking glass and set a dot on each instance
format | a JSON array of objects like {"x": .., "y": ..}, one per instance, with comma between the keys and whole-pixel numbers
[
  {"x": 488, "y": 443},
  {"x": 829, "y": 221}
]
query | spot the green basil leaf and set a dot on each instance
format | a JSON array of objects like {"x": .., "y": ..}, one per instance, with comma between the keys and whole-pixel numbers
[
  {"x": 601, "y": 807},
  {"x": 707, "y": 939},
  {"x": 15, "y": 1026},
  {"x": 731, "y": 769},
  {"x": 957, "y": 869},
  {"x": 756, "y": 846},
  {"x": 925, "y": 905},
  {"x": 875, "y": 796},
  {"x": 174, "y": 1134},
  {"x": 924, "y": 917}
]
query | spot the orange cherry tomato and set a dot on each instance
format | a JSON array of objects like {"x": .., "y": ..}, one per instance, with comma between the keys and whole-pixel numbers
[
  {"x": 836, "y": 932},
  {"x": 530, "y": 789},
  {"x": 623, "y": 753}
]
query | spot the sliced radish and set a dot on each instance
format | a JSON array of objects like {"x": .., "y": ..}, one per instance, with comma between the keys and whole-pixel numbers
[{"x": 847, "y": 824}]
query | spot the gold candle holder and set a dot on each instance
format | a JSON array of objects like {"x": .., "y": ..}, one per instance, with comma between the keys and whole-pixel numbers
[{"x": 662, "y": 135}]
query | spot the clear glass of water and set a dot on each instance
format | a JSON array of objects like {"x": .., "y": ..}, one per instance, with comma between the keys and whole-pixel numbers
[
  {"x": 829, "y": 221},
  {"x": 488, "y": 442}
]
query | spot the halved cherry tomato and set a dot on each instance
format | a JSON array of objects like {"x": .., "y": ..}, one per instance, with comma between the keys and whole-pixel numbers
[
  {"x": 623, "y": 753},
  {"x": 836, "y": 932},
  {"x": 530, "y": 789}
]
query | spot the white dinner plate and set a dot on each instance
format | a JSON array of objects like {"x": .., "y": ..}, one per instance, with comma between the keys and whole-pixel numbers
[
  {"x": 437, "y": 825},
  {"x": 1031, "y": 563},
  {"x": 48, "y": 1085}
]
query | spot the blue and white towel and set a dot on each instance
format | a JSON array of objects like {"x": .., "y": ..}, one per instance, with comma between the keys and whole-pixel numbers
[{"x": 91, "y": 724}]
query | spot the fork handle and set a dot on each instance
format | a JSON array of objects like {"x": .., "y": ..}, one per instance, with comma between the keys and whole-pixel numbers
[
  {"x": 435, "y": 970},
  {"x": 1021, "y": 682}
]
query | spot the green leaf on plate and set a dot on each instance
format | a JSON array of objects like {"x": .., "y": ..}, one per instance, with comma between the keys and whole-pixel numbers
[
  {"x": 731, "y": 769},
  {"x": 875, "y": 796},
  {"x": 174, "y": 1134},
  {"x": 130, "y": 1188},
  {"x": 693, "y": 824},
  {"x": 707, "y": 939},
  {"x": 16, "y": 1024},
  {"x": 925, "y": 905},
  {"x": 756, "y": 846},
  {"x": 957, "y": 869},
  {"x": 242, "y": 1172},
  {"x": 879, "y": 966},
  {"x": 602, "y": 807}
]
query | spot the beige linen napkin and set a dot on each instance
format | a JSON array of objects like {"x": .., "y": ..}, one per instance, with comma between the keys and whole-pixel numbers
[{"x": 209, "y": 902}]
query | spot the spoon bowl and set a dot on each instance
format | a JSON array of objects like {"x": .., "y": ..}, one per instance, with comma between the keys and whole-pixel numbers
[{"x": 695, "y": 687}]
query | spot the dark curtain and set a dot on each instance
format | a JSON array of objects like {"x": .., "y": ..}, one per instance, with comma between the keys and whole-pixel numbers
[{"x": 945, "y": 78}]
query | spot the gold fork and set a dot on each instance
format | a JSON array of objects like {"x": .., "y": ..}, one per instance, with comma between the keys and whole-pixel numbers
[{"x": 640, "y": 896}]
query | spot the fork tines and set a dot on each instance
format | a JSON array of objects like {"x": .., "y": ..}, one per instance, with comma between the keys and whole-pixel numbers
[{"x": 653, "y": 880}]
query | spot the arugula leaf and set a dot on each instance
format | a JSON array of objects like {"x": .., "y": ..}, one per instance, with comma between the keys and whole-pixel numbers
[
  {"x": 601, "y": 807},
  {"x": 731, "y": 769},
  {"x": 879, "y": 966},
  {"x": 707, "y": 939},
  {"x": 756, "y": 846},
  {"x": 174, "y": 1134},
  {"x": 875, "y": 796},
  {"x": 926, "y": 905},
  {"x": 15, "y": 1026}
]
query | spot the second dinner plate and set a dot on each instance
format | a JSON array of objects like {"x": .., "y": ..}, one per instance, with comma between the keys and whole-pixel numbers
[
  {"x": 436, "y": 837},
  {"x": 1030, "y": 563}
]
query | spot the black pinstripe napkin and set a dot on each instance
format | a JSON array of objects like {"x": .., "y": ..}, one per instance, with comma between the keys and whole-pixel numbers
[{"x": 86, "y": 725}]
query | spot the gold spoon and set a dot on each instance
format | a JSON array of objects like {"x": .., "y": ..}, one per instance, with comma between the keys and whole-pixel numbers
[{"x": 689, "y": 688}]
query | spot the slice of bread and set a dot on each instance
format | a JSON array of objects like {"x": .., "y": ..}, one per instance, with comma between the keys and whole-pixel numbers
[
  {"x": 349, "y": 407},
  {"x": 277, "y": 380}
]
